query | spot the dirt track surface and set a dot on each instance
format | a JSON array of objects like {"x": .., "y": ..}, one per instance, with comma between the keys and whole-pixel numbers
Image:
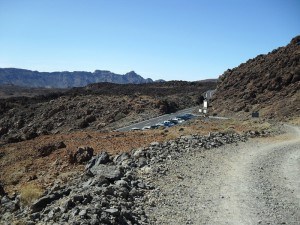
[{"x": 257, "y": 182}]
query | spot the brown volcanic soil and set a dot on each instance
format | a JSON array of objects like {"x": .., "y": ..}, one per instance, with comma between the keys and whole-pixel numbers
[
  {"x": 21, "y": 164},
  {"x": 21, "y": 161},
  {"x": 269, "y": 84},
  {"x": 102, "y": 106}
]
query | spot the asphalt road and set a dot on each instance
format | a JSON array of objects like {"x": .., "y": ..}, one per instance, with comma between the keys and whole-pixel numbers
[
  {"x": 209, "y": 94},
  {"x": 162, "y": 118},
  {"x": 159, "y": 119}
]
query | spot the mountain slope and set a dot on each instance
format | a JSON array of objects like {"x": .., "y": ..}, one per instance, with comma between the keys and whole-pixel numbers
[
  {"x": 28, "y": 78},
  {"x": 101, "y": 106},
  {"x": 268, "y": 84}
]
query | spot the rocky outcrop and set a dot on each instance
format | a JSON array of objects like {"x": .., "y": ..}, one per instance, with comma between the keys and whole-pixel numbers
[
  {"x": 2, "y": 192},
  {"x": 268, "y": 84},
  {"x": 28, "y": 78},
  {"x": 81, "y": 155}
]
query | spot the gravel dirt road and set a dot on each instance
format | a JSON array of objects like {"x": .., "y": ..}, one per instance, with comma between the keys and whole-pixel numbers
[{"x": 257, "y": 182}]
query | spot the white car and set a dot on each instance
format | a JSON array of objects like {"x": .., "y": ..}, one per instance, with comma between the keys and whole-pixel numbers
[
  {"x": 135, "y": 128},
  {"x": 146, "y": 128},
  {"x": 180, "y": 120}
]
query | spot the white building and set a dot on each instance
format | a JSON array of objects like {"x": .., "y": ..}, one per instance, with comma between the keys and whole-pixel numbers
[{"x": 205, "y": 106}]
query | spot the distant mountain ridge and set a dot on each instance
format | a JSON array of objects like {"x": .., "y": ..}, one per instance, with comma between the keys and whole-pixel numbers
[{"x": 65, "y": 79}]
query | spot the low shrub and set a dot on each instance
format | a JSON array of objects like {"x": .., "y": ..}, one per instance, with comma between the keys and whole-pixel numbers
[{"x": 29, "y": 193}]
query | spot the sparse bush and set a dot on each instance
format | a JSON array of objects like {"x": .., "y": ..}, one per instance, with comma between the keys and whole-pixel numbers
[
  {"x": 173, "y": 136},
  {"x": 29, "y": 193},
  {"x": 229, "y": 130},
  {"x": 19, "y": 222}
]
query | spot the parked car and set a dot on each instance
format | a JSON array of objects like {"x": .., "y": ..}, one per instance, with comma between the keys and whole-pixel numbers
[
  {"x": 168, "y": 123},
  {"x": 135, "y": 128},
  {"x": 182, "y": 117},
  {"x": 146, "y": 128},
  {"x": 186, "y": 116},
  {"x": 159, "y": 125},
  {"x": 154, "y": 127},
  {"x": 177, "y": 120},
  {"x": 174, "y": 121},
  {"x": 181, "y": 121}
]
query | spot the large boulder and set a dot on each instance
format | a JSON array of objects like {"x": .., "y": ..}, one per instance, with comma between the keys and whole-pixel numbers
[
  {"x": 41, "y": 203},
  {"x": 101, "y": 158},
  {"x": 82, "y": 155},
  {"x": 110, "y": 172}
]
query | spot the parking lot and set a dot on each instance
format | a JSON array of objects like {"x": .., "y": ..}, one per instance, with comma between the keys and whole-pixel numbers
[{"x": 160, "y": 121}]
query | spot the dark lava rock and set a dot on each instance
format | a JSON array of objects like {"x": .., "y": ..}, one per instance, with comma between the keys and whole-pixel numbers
[
  {"x": 9, "y": 205},
  {"x": 83, "y": 124},
  {"x": 101, "y": 158},
  {"x": 3, "y": 130},
  {"x": 82, "y": 155},
  {"x": 90, "y": 119},
  {"x": 30, "y": 135},
  {"x": 2, "y": 192},
  {"x": 122, "y": 157},
  {"x": 48, "y": 149},
  {"x": 110, "y": 172},
  {"x": 14, "y": 139},
  {"x": 42, "y": 203}
]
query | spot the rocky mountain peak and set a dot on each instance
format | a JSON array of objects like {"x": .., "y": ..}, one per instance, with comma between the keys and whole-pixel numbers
[
  {"x": 132, "y": 73},
  {"x": 65, "y": 79}
]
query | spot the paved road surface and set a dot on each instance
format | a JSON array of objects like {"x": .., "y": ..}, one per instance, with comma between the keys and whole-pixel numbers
[
  {"x": 159, "y": 119},
  {"x": 162, "y": 118},
  {"x": 208, "y": 95}
]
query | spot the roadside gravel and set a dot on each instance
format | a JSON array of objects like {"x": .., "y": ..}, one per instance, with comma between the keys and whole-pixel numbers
[{"x": 256, "y": 182}]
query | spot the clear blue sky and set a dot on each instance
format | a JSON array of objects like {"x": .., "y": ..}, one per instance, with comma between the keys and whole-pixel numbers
[{"x": 168, "y": 39}]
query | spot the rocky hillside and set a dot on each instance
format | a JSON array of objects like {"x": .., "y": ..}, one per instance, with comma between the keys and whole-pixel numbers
[
  {"x": 9, "y": 91},
  {"x": 268, "y": 84},
  {"x": 28, "y": 78},
  {"x": 102, "y": 106}
]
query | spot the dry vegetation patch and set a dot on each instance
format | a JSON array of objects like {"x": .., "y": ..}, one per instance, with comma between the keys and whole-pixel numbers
[
  {"x": 29, "y": 193},
  {"x": 294, "y": 121}
]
